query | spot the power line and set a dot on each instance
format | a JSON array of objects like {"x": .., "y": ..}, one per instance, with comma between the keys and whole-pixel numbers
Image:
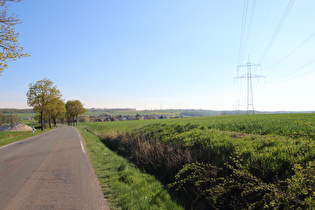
[
  {"x": 295, "y": 71},
  {"x": 286, "y": 12},
  {"x": 240, "y": 52},
  {"x": 246, "y": 27},
  {"x": 251, "y": 17},
  {"x": 293, "y": 51}
]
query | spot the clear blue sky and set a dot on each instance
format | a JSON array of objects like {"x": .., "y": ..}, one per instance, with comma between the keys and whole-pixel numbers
[{"x": 165, "y": 54}]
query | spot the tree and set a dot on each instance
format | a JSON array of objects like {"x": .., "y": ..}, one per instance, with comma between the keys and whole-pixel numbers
[
  {"x": 9, "y": 118},
  {"x": 85, "y": 119},
  {"x": 56, "y": 110},
  {"x": 41, "y": 96},
  {"x": 73, "y": 109},
  {"x": 60, "y": 111},
  {"x": 8, "y": 37}
]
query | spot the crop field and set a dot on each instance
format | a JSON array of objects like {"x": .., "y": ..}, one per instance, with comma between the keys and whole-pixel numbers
[
  {"x": 236, "y": 161},
  {"x": 134, "y": 113}
]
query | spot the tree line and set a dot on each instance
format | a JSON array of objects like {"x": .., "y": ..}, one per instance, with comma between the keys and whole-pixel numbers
[
  {"x": 10, "y": 118},
  {"x": 15, "y": 111},
  {"x": 46, "y": 101}
]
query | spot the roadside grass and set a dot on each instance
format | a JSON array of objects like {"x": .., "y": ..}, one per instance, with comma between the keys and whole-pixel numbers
[
  {"x": 7, "y": 137},
  {"x": 123, "y": 185}
]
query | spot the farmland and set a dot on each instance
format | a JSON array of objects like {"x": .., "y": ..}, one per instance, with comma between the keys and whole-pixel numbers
[{"x": 237, "y": 161}]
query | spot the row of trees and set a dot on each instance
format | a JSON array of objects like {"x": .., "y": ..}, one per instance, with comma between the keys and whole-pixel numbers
[
  {"x": 47, "y": 102},
  {"x": 10, "y": 118}
]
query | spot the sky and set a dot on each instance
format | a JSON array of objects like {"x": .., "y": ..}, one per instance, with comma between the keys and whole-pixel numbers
[{"x": 163, "y": 54}]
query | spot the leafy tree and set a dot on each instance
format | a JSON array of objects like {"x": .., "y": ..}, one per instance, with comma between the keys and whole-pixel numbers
[
  {"x": 73, "y": 109},
  {"x": 60, "y": 111},
  {"x": 8, "y": 37},
  {"x": 41, "y": 96},
  {"x": 138, "y": 117},
  {"x": 56, "y": 110},
  {"x": 85, "y": 119}
]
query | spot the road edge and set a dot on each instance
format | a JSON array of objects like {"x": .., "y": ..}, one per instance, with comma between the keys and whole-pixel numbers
[{"x": 96, "y": 183}]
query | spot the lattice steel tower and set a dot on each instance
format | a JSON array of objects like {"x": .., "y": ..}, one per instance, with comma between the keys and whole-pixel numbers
[{"x": 249, "y": 76}]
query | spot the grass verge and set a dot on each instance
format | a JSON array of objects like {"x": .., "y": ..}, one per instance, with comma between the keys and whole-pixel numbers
[
  {"x": 8, "y": 137},
  {"x": 124, "y": 186}
]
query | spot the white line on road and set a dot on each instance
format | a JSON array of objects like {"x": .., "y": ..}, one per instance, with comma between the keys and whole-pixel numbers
[
  {"x": 83, "y": 150},
  {"x": 82, "y": 146}
]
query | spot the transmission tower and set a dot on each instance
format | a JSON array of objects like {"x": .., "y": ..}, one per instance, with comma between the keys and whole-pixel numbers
[{"x": 249, "y": 76}]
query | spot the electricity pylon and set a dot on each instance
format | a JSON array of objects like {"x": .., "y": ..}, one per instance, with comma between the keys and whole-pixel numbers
[{"x": 249, "y": 76}]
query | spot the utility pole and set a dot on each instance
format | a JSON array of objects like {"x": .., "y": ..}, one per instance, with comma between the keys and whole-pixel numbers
[{"x": 249, "y": 76}]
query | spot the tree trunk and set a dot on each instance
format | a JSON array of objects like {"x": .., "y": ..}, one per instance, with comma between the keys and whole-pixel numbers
[
  {"x": 73, "y": 123},
  {"x": 76, "y": 121},
  {"x": 55, "y": 123},
  {"x": 42, "y": 120},
  {"x": 49, "y": 122}
]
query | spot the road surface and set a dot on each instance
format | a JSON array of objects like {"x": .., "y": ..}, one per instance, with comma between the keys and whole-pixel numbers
[{"x": 49, "y": 171}]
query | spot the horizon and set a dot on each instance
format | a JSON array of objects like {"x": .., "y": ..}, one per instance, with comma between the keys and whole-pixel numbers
[{"x": 139, "y": 110}]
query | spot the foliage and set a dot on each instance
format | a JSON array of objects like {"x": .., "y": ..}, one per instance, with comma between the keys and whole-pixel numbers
[
  {"x": 123, "y": 184},
  {"x": 302, "y": 185},
  {"x": 8, "y": 37},
  {"x": 4, "y": 119},
  {"x": 56, "y": 110},
  {"x": 85, "y": 119},
  {"x": 74, "y": 108},
  {"x": 257, "y": 161},
  {"x": 42, "y": 95}
]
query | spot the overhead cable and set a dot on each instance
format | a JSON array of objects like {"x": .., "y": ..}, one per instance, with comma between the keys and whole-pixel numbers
[
  {"x": 251, "y": 17},
  {"x": 293, "y": 51},
  {"x": 295, "y": 71},
  {"x": 286, "y": 12},
  {"x": 244, "y": 19}
]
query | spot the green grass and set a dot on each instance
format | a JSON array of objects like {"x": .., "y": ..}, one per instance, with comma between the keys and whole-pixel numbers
[
  {"x": 123, "y": 184},
  {"x": 264, "y": 157},
  {"x": 24, "y": 115},
  {"x": 7, "y": 137},
  {"x": 278, "y": 124}
]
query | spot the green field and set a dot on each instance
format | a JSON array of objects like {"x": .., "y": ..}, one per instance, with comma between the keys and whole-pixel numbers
[
  {"x": 134, "y": 113},
  {"x": 236, "y": 161}
]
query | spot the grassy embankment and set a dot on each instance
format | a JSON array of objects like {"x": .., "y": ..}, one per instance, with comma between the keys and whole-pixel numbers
[
  {"x": 7, "y": 137},
  {"x": 123, "y": 184},
  {"x": 257, "y": 161}
]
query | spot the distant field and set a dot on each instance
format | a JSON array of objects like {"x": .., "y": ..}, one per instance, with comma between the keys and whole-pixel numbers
[
  {"x": 133, "y": 113},
  {"x": 280, "y": 124},
  {"x": 232, "y": 161},
  {"x": 25, "y": 115}
]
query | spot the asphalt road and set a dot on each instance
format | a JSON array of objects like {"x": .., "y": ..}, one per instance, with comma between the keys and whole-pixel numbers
[{"x": 49, "y": 171}]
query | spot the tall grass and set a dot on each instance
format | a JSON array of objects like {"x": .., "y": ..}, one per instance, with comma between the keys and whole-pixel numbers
[{"x": 123, "y": 184}]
